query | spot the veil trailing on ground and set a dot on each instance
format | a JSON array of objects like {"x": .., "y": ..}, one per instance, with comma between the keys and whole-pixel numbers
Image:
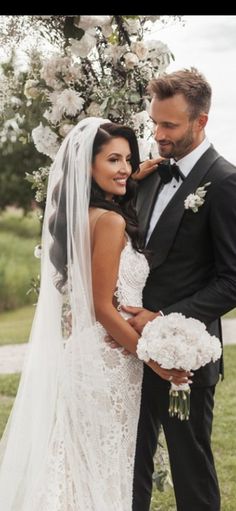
[{"x": 54, "y": 362}]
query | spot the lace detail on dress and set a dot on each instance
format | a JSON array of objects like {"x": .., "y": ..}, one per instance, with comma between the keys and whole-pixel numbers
[
  {"x": 133, "y": 273},
  {"x": 71, "y": 481}
]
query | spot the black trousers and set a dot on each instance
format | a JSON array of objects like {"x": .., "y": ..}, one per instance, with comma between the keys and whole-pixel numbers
[{"x": 189, "y": 445}]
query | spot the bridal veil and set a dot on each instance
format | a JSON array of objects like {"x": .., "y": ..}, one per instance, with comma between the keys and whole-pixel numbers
[{"x": 48, "y": 390}]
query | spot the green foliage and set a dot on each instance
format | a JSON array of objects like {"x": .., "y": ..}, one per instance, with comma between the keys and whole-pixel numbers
[
  {"x": 14, "y": 189},
  {"x": 9, "y": 384},
  {"x": 18, "y": 154},
  {"x": 5, "y": 408},
  {"x": 8, "y": 388},
  {"x": 17, "y": 262},
  {"x": 16, "y": 325}
]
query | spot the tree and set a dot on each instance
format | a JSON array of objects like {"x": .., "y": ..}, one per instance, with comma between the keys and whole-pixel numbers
[{"x": 18, "y": 154}]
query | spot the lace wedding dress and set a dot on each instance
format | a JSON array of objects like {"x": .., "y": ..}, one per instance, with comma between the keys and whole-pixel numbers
[{"x": 66, "y": 483}]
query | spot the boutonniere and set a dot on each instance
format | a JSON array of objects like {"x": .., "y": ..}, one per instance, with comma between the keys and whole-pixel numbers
[{"x": 195, "y": 200}]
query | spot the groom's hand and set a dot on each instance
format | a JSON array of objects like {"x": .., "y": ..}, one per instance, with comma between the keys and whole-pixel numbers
[{"x": 140, "y": 316}]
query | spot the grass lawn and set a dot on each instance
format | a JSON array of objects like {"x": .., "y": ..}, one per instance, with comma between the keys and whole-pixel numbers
[
  {"x": 15, "y": 325},
  {"x": 19, "y": 235},
  {"x": 231, "y": 314},
  {"x": 224, "y": 438}
]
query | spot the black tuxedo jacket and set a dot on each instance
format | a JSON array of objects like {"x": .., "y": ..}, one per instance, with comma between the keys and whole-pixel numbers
[{"x": 193, "y": 255}]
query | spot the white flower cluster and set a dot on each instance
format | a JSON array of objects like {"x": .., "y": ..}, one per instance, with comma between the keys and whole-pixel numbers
[
  {"x": 104, "y": 72},
  {"x": 175, "y": 341},
  {"x": 194, "y": 200},
  {"x": 38, "y": 180},
  {"x": 102, "y": 69}
]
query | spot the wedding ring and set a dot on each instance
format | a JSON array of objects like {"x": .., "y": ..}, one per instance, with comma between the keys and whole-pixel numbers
[{"x": 170, "y": 378}]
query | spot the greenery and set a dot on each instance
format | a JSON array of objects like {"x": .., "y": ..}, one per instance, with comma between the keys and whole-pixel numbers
[
  {"x": 16, "y": 325},
  {"x": 8, "y": 389},
  {"x": 231, "y": 314},
  {"x": 18, "y": 154},
  {"x": 19, "y": 235},
  {"x": 224, "y": 440}
]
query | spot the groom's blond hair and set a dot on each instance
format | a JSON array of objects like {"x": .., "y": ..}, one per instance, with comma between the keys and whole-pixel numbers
[{"x": 190, "y": 83}]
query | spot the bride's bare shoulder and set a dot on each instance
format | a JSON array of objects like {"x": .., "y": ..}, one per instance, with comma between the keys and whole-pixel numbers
[{"x": 107, "y": 226}]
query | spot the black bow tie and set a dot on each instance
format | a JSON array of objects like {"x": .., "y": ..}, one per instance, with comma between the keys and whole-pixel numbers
[{"x": 169, "y": 170}]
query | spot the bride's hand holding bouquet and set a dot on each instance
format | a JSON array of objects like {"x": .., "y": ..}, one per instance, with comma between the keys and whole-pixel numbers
[{"x": 174, "y": 341}]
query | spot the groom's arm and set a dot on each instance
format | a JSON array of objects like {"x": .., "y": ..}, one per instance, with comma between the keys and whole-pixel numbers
[{"x": 219, "y": 295}]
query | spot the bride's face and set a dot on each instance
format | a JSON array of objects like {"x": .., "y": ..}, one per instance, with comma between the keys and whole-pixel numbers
[{"x": 112, "y": 167}]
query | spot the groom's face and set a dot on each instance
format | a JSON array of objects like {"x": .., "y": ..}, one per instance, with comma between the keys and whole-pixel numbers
[{"x": 174, "y": 131}]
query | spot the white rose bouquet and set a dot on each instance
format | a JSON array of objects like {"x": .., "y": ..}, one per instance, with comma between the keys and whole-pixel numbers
[{"x": 175, "y": 341}]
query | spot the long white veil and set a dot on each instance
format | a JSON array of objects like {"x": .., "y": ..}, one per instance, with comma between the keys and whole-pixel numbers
[{"x": 53, "y": 364}]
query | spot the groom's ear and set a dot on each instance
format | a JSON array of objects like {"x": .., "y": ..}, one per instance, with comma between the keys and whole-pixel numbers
[{"x": 201, "y": 121}]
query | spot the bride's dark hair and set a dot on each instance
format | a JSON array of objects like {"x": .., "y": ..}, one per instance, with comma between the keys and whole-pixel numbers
[{"x": 123, "y": 205}]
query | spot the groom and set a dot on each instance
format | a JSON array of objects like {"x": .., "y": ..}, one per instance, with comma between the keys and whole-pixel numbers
[{"x": 193, "y": 271}]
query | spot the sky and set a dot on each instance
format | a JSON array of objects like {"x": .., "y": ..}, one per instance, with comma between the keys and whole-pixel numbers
[{"x": 209, "y": 43}]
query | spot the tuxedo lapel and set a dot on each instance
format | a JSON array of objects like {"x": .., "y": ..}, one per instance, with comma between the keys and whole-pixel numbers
[
  {"x": 147, "y": 192},
  {"x": 165, "y": 230}
]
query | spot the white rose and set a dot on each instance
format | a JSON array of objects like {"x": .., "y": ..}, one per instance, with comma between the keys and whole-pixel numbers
[
  {"x": 140, "y": 49},
  {"x": 131, "y": 60},
  {"x": 94, "y": 109}
]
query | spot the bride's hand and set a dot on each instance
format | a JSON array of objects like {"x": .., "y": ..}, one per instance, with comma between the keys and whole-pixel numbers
[
  {"x": 115, "y": 345},
  {"x": 146, "y": 168},
  {"x": 140, "y": 316},
  {"x": 175, "y": 376}
]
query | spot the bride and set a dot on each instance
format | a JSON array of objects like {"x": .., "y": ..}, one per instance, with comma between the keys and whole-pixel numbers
[{"x": 69, "y": 444}]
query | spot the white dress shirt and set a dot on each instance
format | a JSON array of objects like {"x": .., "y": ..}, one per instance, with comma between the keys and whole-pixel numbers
[{"x": 169, "y": 189}]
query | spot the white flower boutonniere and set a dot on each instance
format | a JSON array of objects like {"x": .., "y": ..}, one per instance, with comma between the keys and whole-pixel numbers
[{"x": 195, "y": 200}]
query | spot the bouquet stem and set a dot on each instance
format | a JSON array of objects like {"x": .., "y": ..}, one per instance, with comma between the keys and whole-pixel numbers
[{"x": 179, "y": 401}]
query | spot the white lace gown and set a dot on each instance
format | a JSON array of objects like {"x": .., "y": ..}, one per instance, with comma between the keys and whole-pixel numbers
[{"x": 113, "y": 459}]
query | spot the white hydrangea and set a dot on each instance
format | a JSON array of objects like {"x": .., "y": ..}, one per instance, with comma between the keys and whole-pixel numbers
[
  {"x": 83, "y": 47},
  {"x": 45, "y": 140},
  {"x": 175, "y": 341}
]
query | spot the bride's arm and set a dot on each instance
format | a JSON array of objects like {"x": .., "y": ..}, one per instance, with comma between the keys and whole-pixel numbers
[
  {"x": 108, "y": 242},
  {"x": 146, "y": 168}
]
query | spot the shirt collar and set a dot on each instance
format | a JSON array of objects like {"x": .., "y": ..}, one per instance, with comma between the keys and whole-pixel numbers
[{"x": 187, "y": 162}]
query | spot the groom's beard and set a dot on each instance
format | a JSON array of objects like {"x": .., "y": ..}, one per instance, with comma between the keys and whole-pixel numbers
[{"x": 179, "y": 148}]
